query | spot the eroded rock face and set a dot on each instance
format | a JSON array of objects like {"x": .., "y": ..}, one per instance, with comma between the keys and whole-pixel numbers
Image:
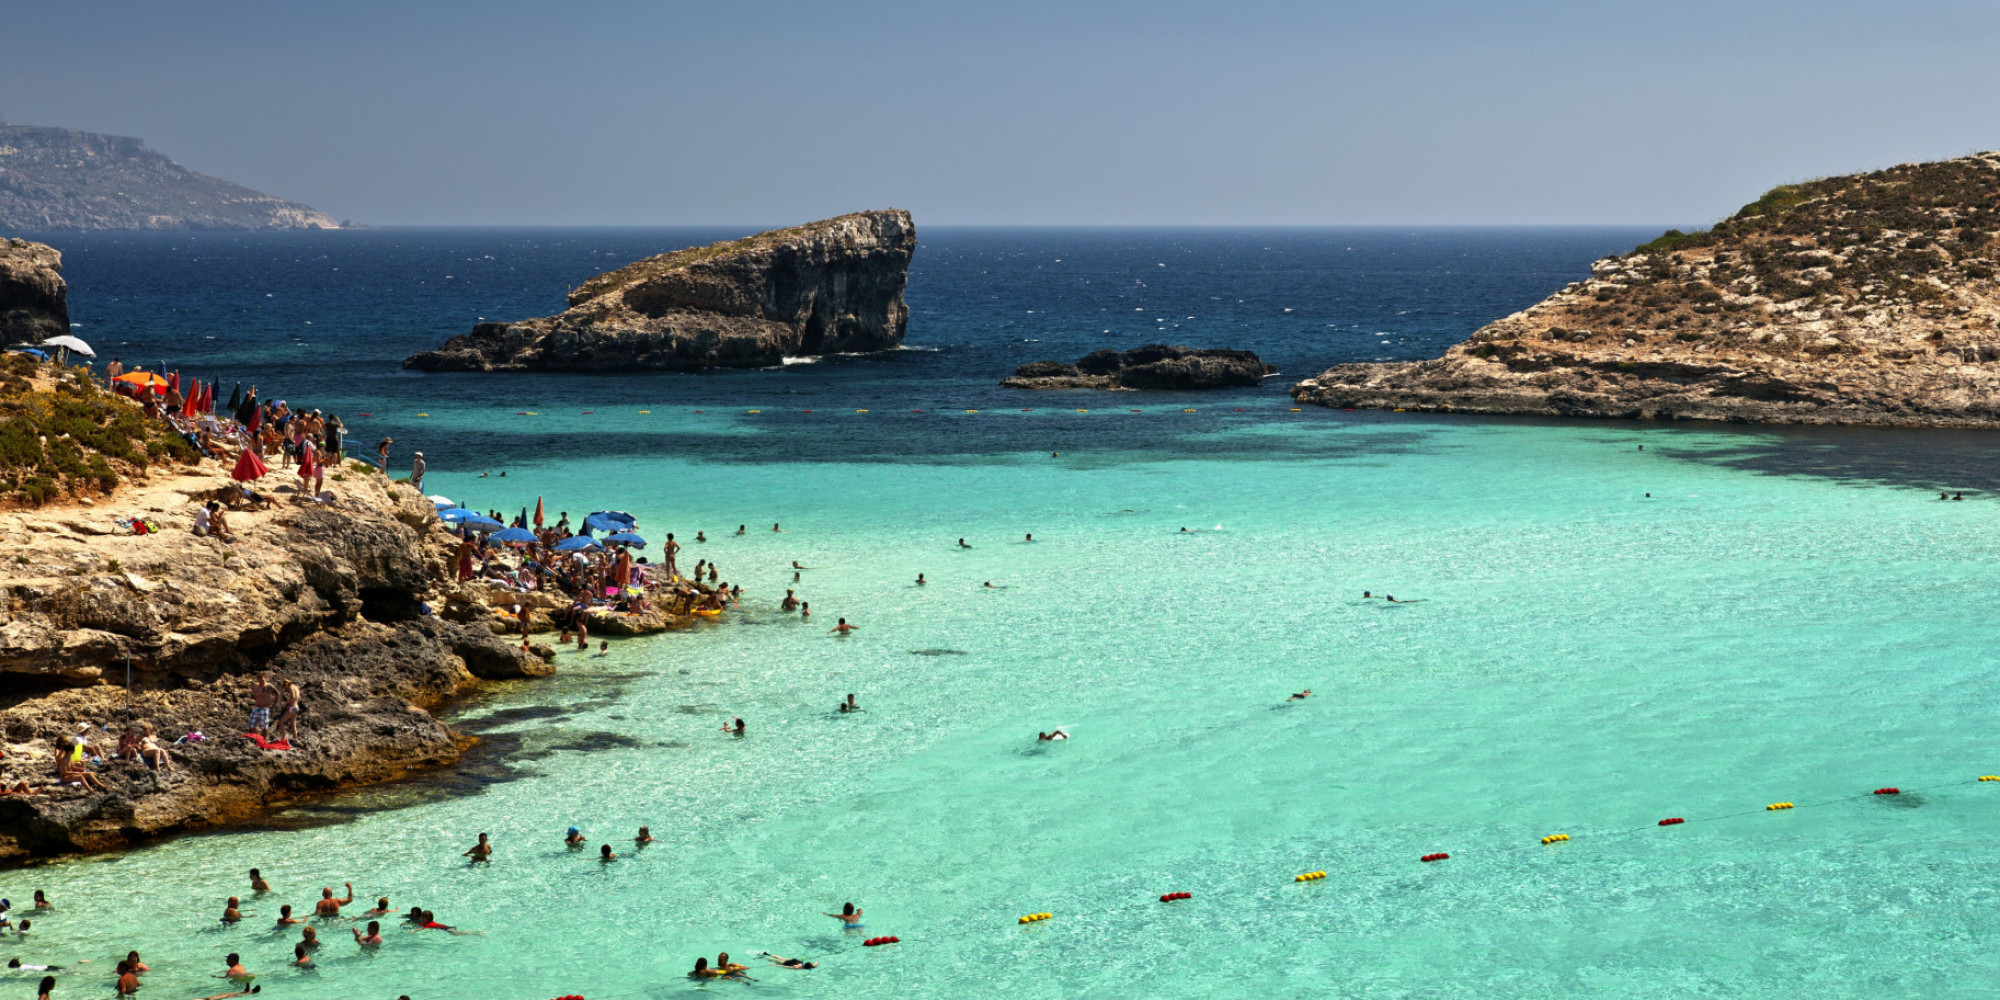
[
  {"x": 1866, "y": 299},
  {"x": 327, "y": 596},
  {"x": 831, "y": 287},
  {"x": 34, "y": 299},
  {"x": 66, "y": 179},
  {"x": 1154, "y": 366}
]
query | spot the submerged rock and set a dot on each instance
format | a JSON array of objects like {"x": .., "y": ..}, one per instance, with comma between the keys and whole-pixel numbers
[
  {"x": 1154, "y": 366},
  {"x": 34, "y": 299},
  {"x": 1863, "y": 299},
  {"x": 830, "y": 287}
]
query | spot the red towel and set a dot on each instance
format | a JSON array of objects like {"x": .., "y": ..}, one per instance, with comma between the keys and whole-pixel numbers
[{"x": 264, "y": 744}]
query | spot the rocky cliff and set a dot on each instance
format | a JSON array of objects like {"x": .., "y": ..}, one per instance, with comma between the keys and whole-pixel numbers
[
  {"x": 1861, "y": 299},
  {"x": 34, "y": 299},
  {"x": 326, "y": 595},
  {"x": 830, "y": 287},
  {"x": 64, "y": 179},
  {"x": 1154, "y": 366}
]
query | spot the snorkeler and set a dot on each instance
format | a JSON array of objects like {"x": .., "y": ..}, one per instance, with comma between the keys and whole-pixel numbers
[
  {"x": 1302, "y": 695},
  {"x": 482, "y": 851},
  {"x": 789, "y": 963}
]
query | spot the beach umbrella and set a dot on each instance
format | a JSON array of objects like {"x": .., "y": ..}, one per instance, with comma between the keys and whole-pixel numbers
[
  {"x": 248, "y": 467},
  {"x": 512, "y": 536},
  {"x": 609, "y": 520},
  {"x": 482, "y": 522},
  {"x": 626, "y": 538},
  {"x": 442, "y": 502},
  {"x": 577, "y": 543},
  {"x": 142, "y": 380},
  {"x": 458, "y": 514},
  {"x": 69, "y": 343},
  {"x": 538, "y": 512},
  {"x": 524, "y": 516},
  {"x": 31, "y": 352}
]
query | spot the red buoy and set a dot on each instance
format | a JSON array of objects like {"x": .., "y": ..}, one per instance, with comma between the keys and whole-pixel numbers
[
  {"x": 1671, "y": 822},
  {"x": 1440, "y": 856},
  {"x": 1888, "y": 791}
]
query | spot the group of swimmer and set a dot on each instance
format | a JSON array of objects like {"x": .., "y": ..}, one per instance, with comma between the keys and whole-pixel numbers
[
  {"x": 327, "y": 907},
  {"x": 849, "y": 917}
]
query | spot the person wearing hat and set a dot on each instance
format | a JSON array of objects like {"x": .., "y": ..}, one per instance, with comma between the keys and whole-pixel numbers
[{"x": 417, "y": 471}]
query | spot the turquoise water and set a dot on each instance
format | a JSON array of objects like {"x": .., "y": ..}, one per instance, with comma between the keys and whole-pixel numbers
[{"x": 1578, "y": 659}]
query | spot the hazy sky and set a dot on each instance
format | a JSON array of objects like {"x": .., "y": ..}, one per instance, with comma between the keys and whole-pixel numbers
[{"x": 745, "y": 112}]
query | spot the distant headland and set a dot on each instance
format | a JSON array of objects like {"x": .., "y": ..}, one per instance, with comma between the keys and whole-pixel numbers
[
  {"x": 828, "y": 287},
  {"x": 1861, "y": 299},
  {"x": 60, "y": 179}
]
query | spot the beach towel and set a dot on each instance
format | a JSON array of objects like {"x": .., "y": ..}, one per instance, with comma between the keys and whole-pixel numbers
[{"x": 264, "y": 744}]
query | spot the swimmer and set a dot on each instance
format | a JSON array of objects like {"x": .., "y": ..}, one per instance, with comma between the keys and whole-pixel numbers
[
  {"x": 128, "y": 980},
  {"x": 372, "y": 939},
  {"x": 230, "y": 913},
  {"x": 1302, "y": 695},
  {"x": 989, "y": 586},
  {"x": 381, "y": 908},
  {"x": 257, "y": 883},
  {"x": 645, "y": 836},
  {"x": 300, "y": 958},
  {"x": 789, "y": 963},
  {"x": 848, "y": 916},
  {"x": 777, "y": 530},
  {"x": 741, "y": 528},
  {"x": 736, "y": 726},
  {"x": 920, "y": 579},
  {"x": 842, "y": 628},
  {"x": 699, "y": 537},
  {"x": 1048, "y": 737},
  {"x": 1391, "y": 598},
  {"x": 285, "y": 918},
  {"x": 603, "y": 648},
  {"x": 790, "y": 603},
  {"x": 309, "y": 939},
  {"x": 329, "y": 906},
  {"x": 430, "y": 924},
  {"x": 805, "y": 609},
  {"x": 574, "y": 838},
  {"x": 1944, "y": 496},
  {"x": 605, "y": 854},
  {"x": 1029, "y": 537},
  {"x": 236, "y": 969},
  {"x": 1184, "y": 531},
  {"x": 1366, "y": 594},
  {"x": 849, "y": 705},
  {"x": 795, "y": 576},
  {"x": 482, "y": 851},
  {"x": 42, "y": 901},
  {"x": 722, "y": 962},
  {"x": 962, "y": 545},
  {"x": 15, "y": 963},
  {"x": 1958, "y": 496},
  {"x": 795, "y": 564}
]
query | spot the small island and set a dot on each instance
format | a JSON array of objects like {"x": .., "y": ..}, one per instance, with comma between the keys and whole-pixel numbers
[
  {"x": 828, "y": 287},
  {"x": 1862, "y": 299},
  {"x": 1154, "y": 366}
]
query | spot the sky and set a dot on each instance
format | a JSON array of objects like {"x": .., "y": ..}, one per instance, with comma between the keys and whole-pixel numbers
[{"x": 1246, "y": 112}]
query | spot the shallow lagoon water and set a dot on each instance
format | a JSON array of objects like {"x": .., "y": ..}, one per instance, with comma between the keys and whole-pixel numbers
[{"x": 1784, "y": 619}]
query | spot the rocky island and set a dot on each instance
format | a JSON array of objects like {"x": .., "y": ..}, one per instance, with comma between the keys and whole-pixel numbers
[
  {"x": 1154, "y": 366},
  {"x": 34, "y": 299},
  {"x": 828, "y": 287},
  {"x": 1861, "y": 299},
  {"x": 65, "y": 179}
]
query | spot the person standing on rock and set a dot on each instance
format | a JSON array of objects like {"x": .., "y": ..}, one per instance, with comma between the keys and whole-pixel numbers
[
  {"x": 288, "y": 720},
  {"x": 263, "y": 697},
  {"x": 668, "y": 552},
  {"x": 381, "y": 449},
  {"x": 417, "y": 468}
]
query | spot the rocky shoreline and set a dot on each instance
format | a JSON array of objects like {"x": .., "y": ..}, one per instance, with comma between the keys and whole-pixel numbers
[
  {"x": 828, "y": 287},
  {"x": 330, "y": 596},
  {"x": 1866, "y": 299}
]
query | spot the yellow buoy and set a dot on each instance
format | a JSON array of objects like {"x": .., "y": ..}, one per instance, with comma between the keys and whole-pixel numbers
[
  {"x": 972, "y": 411},
  {"x": 756, "y": 411},
  {"x": 1555, "y": 838},
  {"x": 1083, "y": 411},
  {"x": 1296, "y": 410},
  {"x": 423, "y": 414},
  {"x": 1989, "y": 777},
  {"x": 1397, "y": 410},
  {"x": 1188, "y": 410},
  {"x": 1778, "y": 805},
  {"x": 1310, "y": 877},
  {"x": 861, "y": 411},
  {"x": 645, "y": 411},
  {"x": 1034, "y": 917}
]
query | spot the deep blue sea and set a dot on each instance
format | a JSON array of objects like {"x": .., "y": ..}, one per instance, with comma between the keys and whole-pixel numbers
[{"x": 1596, "y": 637}]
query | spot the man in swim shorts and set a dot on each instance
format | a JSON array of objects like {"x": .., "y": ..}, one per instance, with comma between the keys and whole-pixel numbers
[{"x": 263, "y": 697}]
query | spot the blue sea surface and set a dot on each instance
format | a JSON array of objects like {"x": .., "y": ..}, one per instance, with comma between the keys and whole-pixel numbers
[{"x": 1594, "y": 637}]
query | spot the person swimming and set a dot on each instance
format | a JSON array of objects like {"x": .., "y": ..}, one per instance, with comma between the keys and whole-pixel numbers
[
  {"x": 849, "y": 915},
  {"x": 605, "y": 854},
  {"x": 699, "y": 537},
  {"x": 742, "y": 529},
  {"x": 285, "y": 918},
  {"x": 735, "y": 727},
  {"x": 920, "y": 579},
  {"x": 849, "y": 705},
  {"x": 789, "y": 963},
  {"x": 777, "y": 530},
  {"x": 257, "y": 883},
  {"x": 790, "y": 603},
  {"x": 842, "y": 628},
  {"x": 1029, "y": 537},
  {"x": 574, "y": 838},
  {"x": 1047, "y": 737},
  {"x": 381, "y": 908},
  {"x": 230, "y": 912},
  {"x": 645, "y": 836},
  {"x": 482, "y": 851},
  {"x": 962, "y": 545},
  {"x": 1302, "y": 695}
]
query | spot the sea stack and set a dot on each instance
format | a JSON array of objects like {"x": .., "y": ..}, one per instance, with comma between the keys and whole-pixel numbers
[
  {"x": 1863, "y": 299},
  {"x": 829, "y": 287},
  {"x": 1154, "y": 366},
  {"x": 34, "y": 299}
]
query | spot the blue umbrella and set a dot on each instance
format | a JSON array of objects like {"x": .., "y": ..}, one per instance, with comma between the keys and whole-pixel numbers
[
  {"x": 458, "y": 514},
  {"x": 610, "y": 520},
  {"x": 482, "y": 522},
  {"x": 31, "y": 351},
  {"x": 626, "y": 538},
  {"x": 512, "y": 535},
  {"x": 574, "y": 544}
]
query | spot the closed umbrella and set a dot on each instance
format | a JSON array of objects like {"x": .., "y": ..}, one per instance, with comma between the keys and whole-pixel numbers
[
  {"x": 538, "y": 512},
  {"x": 236, "y": 398}
]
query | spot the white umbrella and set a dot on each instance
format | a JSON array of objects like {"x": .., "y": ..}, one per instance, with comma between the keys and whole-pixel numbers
[{"x": 71, "y": 343}]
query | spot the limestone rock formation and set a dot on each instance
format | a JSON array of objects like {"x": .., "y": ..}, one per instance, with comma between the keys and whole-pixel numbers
[
  {"x": 34, "y": 302},
  {"x": 328, "y": 596},
  {"x": 1862, "y": 299},
  {"x": 64, "y": 179},
  {"x": 830, "y": 287},
  {"x": 1154, "y": 366}
]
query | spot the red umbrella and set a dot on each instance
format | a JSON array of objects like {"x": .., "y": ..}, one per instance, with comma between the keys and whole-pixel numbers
[{"x": 249, "y": 467}]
